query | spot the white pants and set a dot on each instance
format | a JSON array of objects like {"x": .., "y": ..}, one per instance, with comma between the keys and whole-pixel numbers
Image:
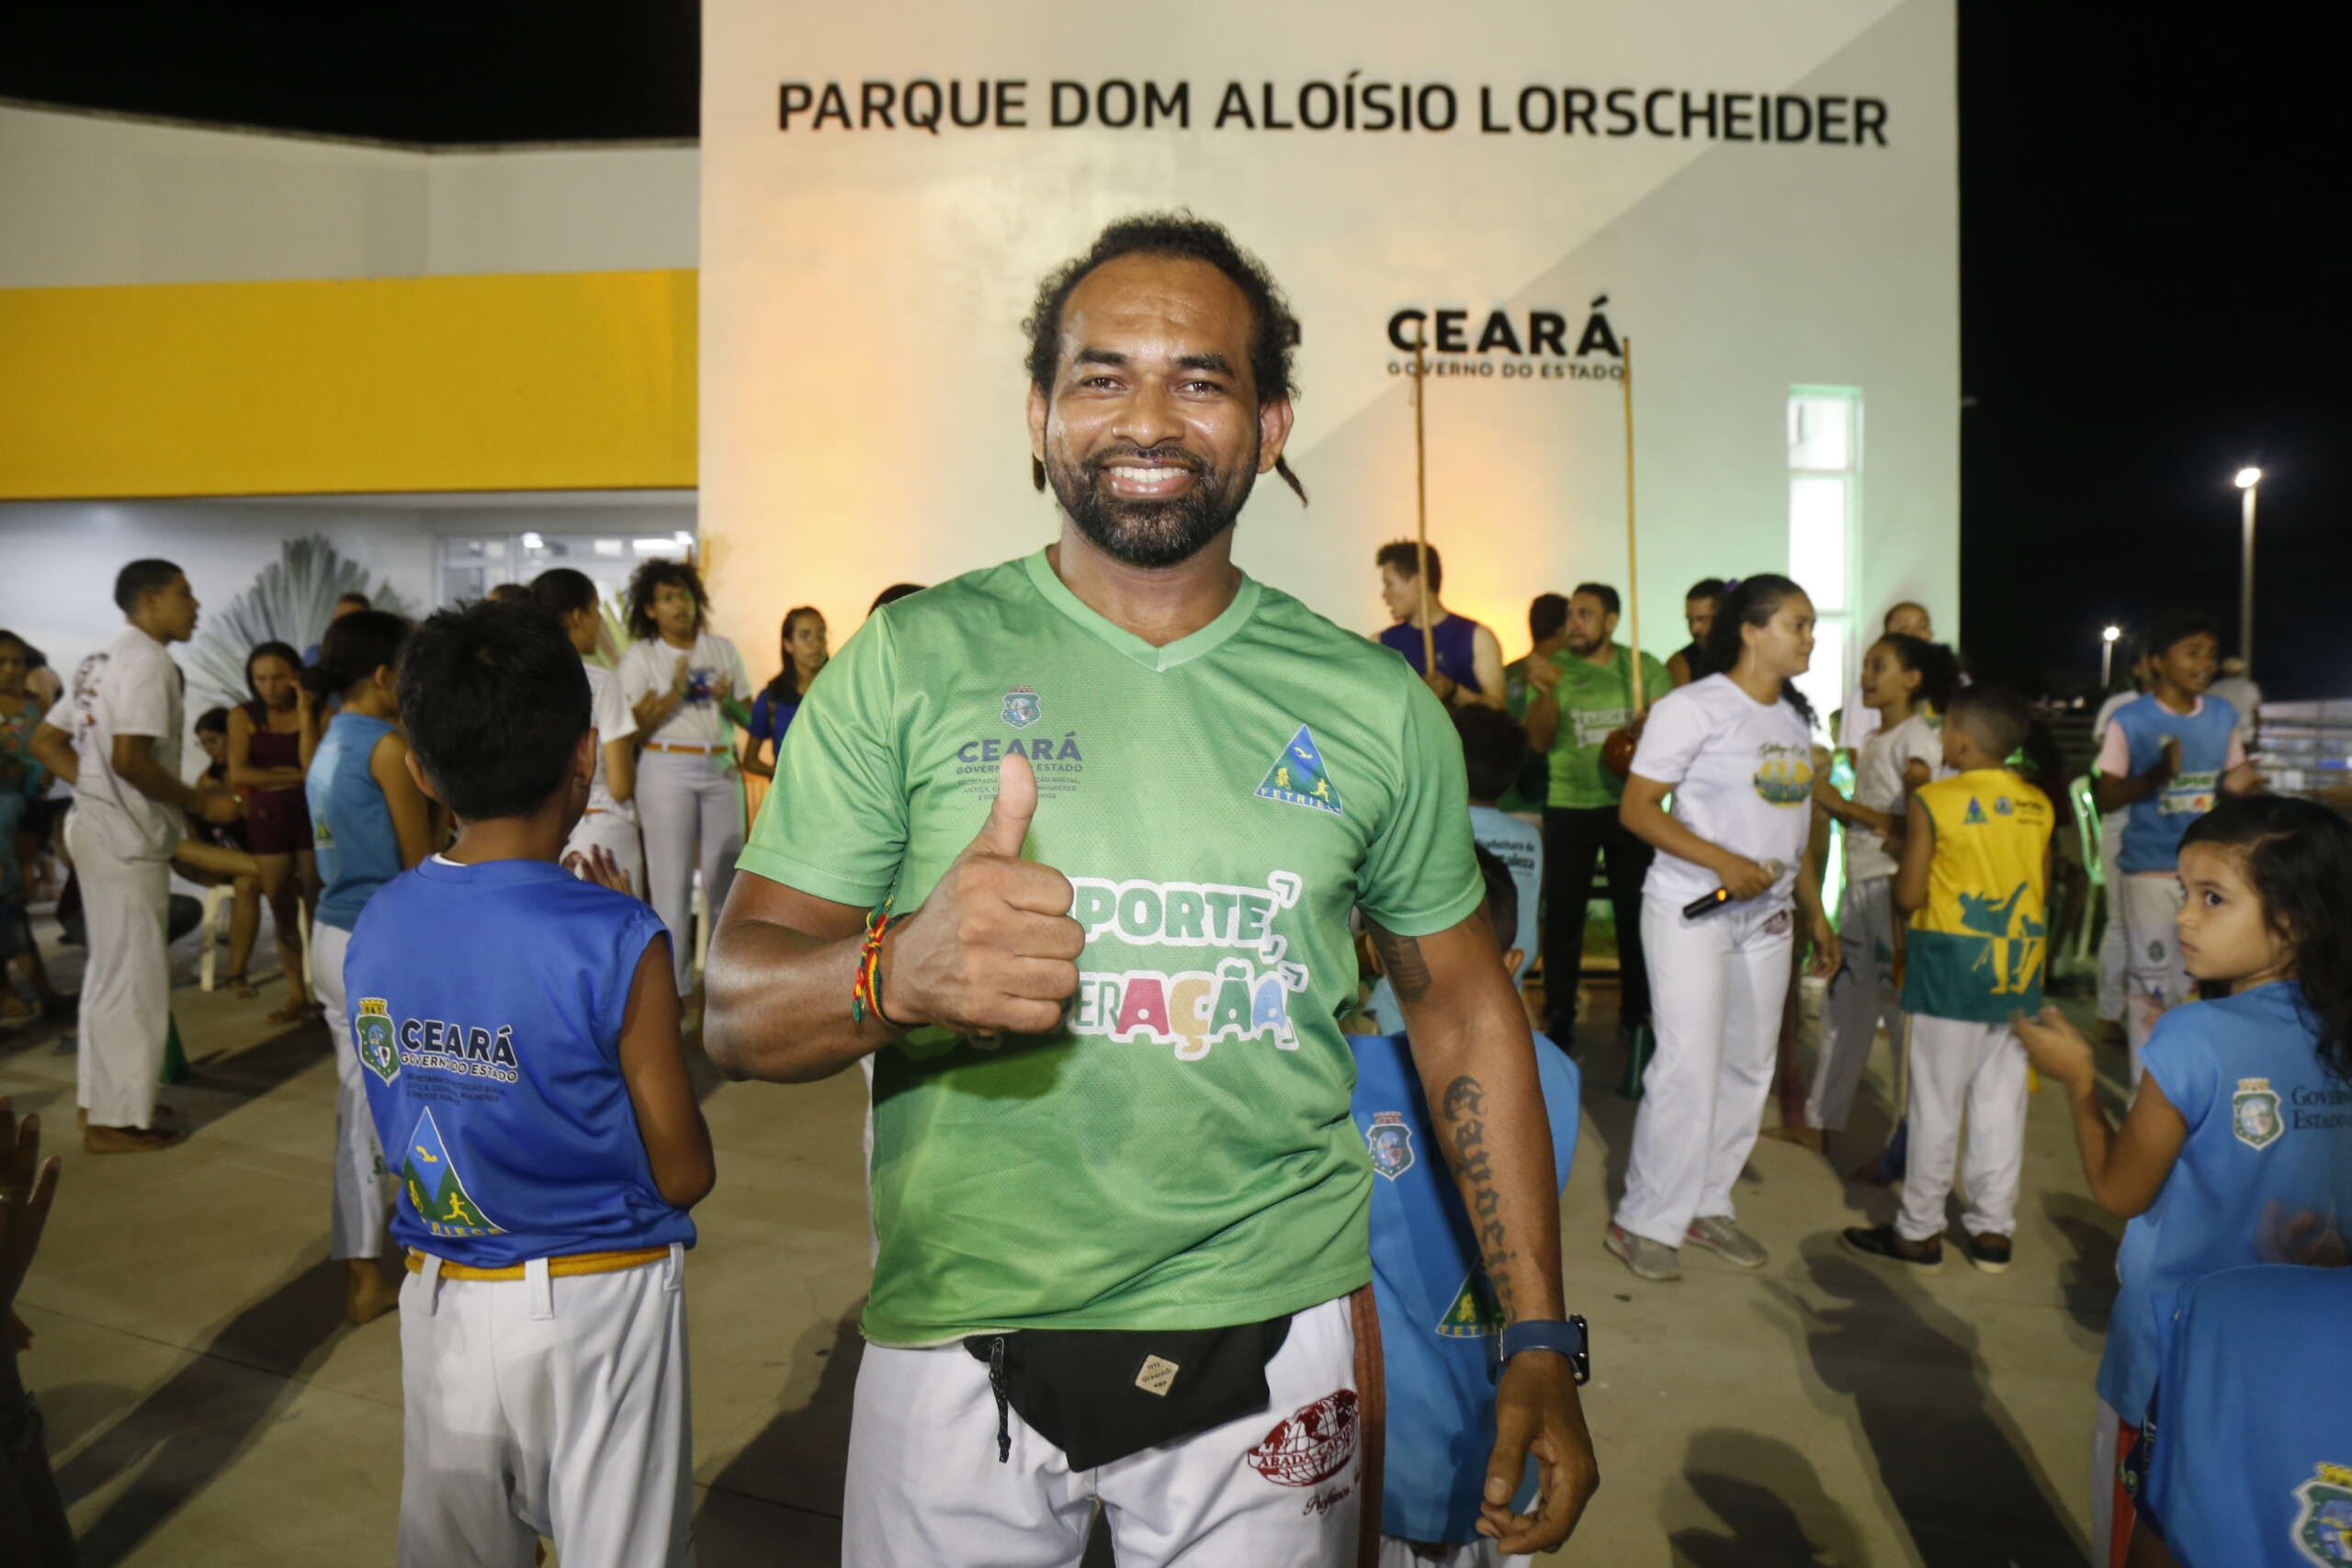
[
  {"x": 1716, "y": 986},
  {"x": 925, "y": 1486},
  {"x": 1861, "y": 997},
  {"x": 1978, "y": 1068},
  {"x": 547, "y": 1407},
  {"x": 1395, "y": 1553},
  {"x": 126, "y": 981},
  {"x": 691, "y": 817},
  {"x": 2153, "y": 975},
  {"x": 617, "y": 835},
  {"x": 359, "y": 1175},
  {"x": 2113, "y": 946}
]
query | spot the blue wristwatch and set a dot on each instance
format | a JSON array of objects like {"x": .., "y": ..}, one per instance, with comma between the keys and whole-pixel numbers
[{"x": 1569, "y": 1339}]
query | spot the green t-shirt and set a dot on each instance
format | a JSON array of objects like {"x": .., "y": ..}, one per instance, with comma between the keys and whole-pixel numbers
[
  {"x": 1180, "y": 1152},
  {"x": 1593, "y": 701},
  {"x": 1533, "y": 787}
]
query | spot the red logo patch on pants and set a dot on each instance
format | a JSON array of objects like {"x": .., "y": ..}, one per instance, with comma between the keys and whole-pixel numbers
[{"x": 1311, "y": 1445}]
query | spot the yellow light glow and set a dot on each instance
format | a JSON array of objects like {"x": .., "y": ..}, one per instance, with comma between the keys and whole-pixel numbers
[{"x": 2248, "y": 477}]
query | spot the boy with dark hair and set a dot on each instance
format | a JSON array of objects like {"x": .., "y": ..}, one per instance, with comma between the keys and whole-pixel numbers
[
  {"x": 1438, "y": 1312},
  {"x": 1974, "y": 880},
  {"x": 1469, "y": 657},
  {"x": 2165, "y": 758},
  {"x": 1689, "y": 662},
  {"x": 519, "y": 1029}
]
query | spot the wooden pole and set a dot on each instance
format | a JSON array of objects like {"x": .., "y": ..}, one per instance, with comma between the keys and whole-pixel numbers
[
  {"x": 1421, "y": 510},
  {"x": 1633, "y": 565}
]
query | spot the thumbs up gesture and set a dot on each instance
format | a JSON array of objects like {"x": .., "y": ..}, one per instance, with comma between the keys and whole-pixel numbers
[{"x": 993, "y": 949}]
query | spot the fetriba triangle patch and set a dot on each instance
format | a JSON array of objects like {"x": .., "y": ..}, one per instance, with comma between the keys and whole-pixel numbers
[
  {"x": 1298, "y": 777},
  {"x": 1476, "y": 1311},
  {"x": 430, "y": 1180}
]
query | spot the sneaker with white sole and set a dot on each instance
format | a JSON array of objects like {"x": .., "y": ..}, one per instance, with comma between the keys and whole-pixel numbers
[
  {"x": 1888, "y": 1245},
  {"x": 1990, "y": 1253},
  {"x": 1648, "y": 1259},
  {"x": 1728, "y": 1241}
]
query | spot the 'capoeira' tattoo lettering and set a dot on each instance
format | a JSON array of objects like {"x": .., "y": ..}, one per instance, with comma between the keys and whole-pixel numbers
[
  {"x": 1465, "y": 1113},
  {"x": 1401, "y": 960}
]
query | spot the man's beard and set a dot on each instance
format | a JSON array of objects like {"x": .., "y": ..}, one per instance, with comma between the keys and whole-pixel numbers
[
  {"x": 1584, "y": 647},
  {"x": 1149, "y": 533}
]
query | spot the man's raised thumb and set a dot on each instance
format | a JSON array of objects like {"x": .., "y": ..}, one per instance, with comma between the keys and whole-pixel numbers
[{"x": 1016, "y": 802}]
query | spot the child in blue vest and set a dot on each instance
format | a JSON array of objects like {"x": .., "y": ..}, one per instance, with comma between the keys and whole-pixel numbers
[
  {"x": 1439, "y": 1316},
  {"x": 2242, "y": 1463},
  {"x": 2165, "y": 759},
  {"x": 519, "y": 1029},
  {"x": 2238, "y": 1147}
]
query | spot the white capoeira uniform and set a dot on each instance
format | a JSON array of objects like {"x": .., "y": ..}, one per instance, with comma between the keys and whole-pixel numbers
[
  {"x": 1862, "y": 996},
  {"x": 362, "y": 1189},
  {"x": 121, "y": 843},
  {"x": 609, "y": 824},
  {"x": 1980, "y": 1069},
  {"x": 689, "y": 802},
  {"x": 527, "y": 1400},
  {"x": 2114, "y": 946},
  {"x": 1274, "y": 1489},
  {"x": 1742, "y": 774}
]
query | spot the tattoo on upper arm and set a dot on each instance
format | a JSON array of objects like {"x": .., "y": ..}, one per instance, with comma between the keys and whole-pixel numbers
[{"x": 1401, "y": 961}]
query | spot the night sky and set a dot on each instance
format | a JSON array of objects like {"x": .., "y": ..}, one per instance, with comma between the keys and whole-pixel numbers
[{"x": 2143, "y": 309}]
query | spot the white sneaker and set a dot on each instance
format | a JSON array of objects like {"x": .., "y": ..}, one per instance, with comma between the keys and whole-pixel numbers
[
  {"x": 1648, "y": 1259},
  {"x": 1728, "y": 1241}
]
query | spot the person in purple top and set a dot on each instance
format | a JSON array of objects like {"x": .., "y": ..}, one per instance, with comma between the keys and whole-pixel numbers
[{"x": 1469, "y": 658}]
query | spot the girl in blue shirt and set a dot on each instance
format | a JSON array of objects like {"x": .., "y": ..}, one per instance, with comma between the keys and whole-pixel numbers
[
  {"x": 2239, "y": 1144},
  {"x": 779, "y": 700},
  {"x": 369, "y": 823}
]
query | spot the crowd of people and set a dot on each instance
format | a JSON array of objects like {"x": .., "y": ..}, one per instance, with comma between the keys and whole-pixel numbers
[{"x": 496, "y": 829}]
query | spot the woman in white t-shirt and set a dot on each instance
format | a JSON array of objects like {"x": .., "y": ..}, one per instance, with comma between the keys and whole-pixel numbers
[
  {"x": 1736, "y": 751},
  {"x": 1907, "y": 682},
  {"x": 689, "y": 804}
]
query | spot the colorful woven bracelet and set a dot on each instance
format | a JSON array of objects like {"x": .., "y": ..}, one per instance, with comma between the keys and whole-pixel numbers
[{"x": 867, "y": 995}]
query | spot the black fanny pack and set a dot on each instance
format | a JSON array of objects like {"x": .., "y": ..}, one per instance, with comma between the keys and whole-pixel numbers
[{"x": 1101, "y": 1395}]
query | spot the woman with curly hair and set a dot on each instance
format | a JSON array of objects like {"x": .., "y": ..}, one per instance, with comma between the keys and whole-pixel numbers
[{"x": 676, "y": 676}]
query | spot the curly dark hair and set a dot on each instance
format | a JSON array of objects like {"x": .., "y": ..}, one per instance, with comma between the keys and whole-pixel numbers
[
  {"x": 1274, "y": 329},
  {"x": 2298, "y": 854},
  {"x": 652, "y": 575},
  {"x": 1936, "y": 665},
  {"x": 1752, "y": 601}
]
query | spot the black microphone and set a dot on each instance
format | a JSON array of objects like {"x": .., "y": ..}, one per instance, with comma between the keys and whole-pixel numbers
[{"x": 1708, "y": 903}]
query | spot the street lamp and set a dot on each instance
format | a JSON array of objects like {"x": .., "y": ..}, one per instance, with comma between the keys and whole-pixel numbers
[
  {"x": 2108, "y": 638},
  {"x": 2249, "y": 481}
]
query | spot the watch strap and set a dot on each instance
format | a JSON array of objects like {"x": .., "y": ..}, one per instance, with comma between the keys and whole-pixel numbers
[{"x": 1569, "y": 1337}]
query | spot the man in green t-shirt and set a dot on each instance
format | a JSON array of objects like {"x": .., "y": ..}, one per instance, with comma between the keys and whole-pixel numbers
[
  {"x": 1588, "y": 691},
  {"x": 1548, "y": 628},
  {"x": 1121, "y": 800}
]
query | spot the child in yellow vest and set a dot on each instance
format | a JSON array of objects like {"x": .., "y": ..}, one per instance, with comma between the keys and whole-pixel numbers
[{"x": 1974, "y": 871}]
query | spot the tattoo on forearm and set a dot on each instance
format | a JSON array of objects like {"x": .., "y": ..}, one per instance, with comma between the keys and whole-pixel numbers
[
  {"x": 1465, "y": 1112},
  {"x": 1401, "y": 961}
]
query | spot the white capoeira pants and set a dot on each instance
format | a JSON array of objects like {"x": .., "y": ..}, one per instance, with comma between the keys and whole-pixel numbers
[
  {"x": 692, "y": 816},
  {"x": 618, "y": 836},
  {"x": 1395, "y": 1553},
  {"x": 1861, "y": 997},
  {"x": 126, "y": 981},
  {"x": 547, "y": 1405},
  {"x": 1276, "y": 1489},
  {"x": 1716, "y": 986},
  {"x": 1979, "y": 1069},
  {"x": 2114, "y": 948},
  {"x": 359, "y": 1175},
  {"x": 2154, "y": 979}
]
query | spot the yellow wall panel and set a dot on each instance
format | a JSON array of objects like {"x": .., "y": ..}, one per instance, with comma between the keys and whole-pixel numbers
[{"x": 514, "y": 381}]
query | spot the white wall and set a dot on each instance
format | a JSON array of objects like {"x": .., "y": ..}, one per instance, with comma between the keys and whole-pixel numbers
[
  {"x": 862, "y": 414},
  {"x": 91, "y": 200}
]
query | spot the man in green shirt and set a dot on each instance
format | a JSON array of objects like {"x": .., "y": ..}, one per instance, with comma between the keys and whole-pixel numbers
[
  {"x": 1581, "y": 695},
  {"x": 1548, "y": 628},
  {"x": 1124, "y": 799}
]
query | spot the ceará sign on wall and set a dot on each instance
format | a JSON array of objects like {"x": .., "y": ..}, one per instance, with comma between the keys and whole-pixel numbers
[{"x": 1530, "y": 345}]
